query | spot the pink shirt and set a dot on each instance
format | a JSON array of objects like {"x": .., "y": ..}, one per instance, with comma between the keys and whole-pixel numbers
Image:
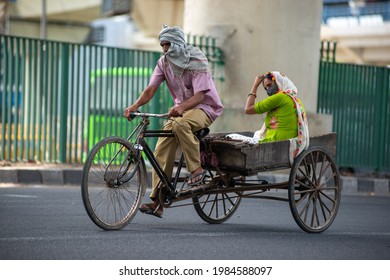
[{"x": 184, "y": 87}]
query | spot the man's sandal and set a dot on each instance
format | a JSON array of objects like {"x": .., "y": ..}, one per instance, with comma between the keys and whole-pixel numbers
[
  {"x": 201, "y": 177},
  {"x": 150, "y": 210}
]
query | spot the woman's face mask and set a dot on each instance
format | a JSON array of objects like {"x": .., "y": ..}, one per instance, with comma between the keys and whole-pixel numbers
[{"x": 272, "y": 89}]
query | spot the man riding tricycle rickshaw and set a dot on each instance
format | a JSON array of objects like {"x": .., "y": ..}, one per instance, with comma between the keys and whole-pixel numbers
[{"x": 221, "y": 168}]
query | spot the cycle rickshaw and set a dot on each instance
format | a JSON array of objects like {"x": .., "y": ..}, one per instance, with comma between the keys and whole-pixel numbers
[{"x": 115, "y": 178}]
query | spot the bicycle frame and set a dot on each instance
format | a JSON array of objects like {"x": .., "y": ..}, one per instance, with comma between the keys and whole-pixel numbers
[{"x": 142, "y": 133}]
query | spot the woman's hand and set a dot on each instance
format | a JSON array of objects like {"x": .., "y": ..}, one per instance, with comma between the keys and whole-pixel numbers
[
  {"x": 258, "y": 81},
  {"x": 250, "y": 101}
]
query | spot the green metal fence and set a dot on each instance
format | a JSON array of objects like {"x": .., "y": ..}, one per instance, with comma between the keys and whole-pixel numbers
[
  {"x": 58, "y": 99},
  {"x": 358, "y": 97}
]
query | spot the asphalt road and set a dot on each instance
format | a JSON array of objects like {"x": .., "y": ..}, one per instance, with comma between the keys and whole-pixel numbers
[{"x": 50, "y": 223}]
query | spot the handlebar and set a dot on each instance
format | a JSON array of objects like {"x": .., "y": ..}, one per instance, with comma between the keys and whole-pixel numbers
[
  {"x": 134, "y": 114},
  {"x": 145, "y": 115}
]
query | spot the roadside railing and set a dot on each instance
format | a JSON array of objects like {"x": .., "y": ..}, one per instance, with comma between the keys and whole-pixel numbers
[
  {"x": 358, "y": 97},
  {"x": 58, "y": 99}
]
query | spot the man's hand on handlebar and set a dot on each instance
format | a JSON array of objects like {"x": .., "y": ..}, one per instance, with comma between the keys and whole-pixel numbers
[
  {"x": 176, "y": 111},
  {"x": 131, "y": 112},
  {"x": 127, "y": 112}
]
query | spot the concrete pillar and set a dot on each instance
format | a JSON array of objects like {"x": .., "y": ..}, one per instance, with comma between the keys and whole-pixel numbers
[{"x": 258, "y": 36}]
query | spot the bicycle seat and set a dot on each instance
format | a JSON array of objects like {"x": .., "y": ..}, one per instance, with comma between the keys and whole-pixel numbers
[{"x": 202, "y": 133}]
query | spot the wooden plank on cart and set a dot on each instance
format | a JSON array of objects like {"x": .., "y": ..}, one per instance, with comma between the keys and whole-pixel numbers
[{"x": 247, "y": 159}]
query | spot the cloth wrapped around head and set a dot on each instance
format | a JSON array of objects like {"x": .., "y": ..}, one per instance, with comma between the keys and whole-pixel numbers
[
  {"x": 284, "y": 83},
  {"x": 182, "y": 57}
]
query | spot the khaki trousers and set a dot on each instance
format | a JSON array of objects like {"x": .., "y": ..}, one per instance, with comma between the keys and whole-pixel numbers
[{"x": 183, "y": 128}]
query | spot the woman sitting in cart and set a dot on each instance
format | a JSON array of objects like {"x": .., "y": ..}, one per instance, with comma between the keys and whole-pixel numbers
[{"x": 285, "y": 113}]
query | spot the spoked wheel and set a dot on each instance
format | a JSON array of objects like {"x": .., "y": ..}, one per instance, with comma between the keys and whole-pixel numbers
[
  {"x": 114, "y": 181},
  {"x": 217, "y": 208},
  {"x": 314, "y": 190}
]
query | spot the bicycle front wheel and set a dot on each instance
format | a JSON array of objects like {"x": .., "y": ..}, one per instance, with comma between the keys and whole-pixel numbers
[{"x": 113, "y": 184}]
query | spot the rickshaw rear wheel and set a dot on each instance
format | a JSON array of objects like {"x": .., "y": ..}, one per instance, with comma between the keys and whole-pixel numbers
[
  {"x": 314, "y": 190},
  {"x": 216, "y": 208}
]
